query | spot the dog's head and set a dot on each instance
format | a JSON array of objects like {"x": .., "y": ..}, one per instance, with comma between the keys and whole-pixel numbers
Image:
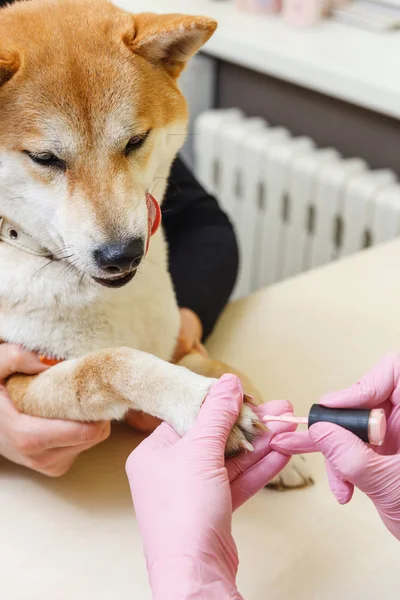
[{"x": 90, "y": 116}]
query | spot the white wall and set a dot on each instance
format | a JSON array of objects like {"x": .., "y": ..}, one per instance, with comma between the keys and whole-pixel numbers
[{"x": 198, "y": 83}]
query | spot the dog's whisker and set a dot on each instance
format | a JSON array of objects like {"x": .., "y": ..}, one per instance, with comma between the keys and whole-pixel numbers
[
  {"x": 183, "y": 134},
  {"x": 59, "y": 258},
  {"x": 70, "y": 267},
  {"x": 153, "y": 262},
  {"x": 61, "y": 250},
  {"x": 48, "y": 263},
  {"x": 64, "y": 271},
  {"x": 36, "y": 273},
  {"x": 16, "y": 198},
  {"x": 82, "y": 279},
  {"x": 80, "y": 282}
]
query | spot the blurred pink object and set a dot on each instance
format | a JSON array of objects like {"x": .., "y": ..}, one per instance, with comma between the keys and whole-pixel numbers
[
  {"x": 264, "y": 6},
  {"x": 305, "y": 13}
]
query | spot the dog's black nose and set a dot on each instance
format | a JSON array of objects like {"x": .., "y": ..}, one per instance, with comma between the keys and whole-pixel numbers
[{"x": 119, "y": 257}]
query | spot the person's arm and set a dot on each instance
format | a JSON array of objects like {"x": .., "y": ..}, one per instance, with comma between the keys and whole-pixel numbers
[
  {"x": 184, "y": 493},
  {"x": 203, "y": 252}
]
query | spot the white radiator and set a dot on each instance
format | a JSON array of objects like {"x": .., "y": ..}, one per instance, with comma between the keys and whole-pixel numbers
[{"x": 294, "y": 206}]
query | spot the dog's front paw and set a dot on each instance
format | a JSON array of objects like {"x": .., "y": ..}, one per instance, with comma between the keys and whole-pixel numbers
[
  {"x": 294, "y": 475},
  {"x": 244, "y": 431}
]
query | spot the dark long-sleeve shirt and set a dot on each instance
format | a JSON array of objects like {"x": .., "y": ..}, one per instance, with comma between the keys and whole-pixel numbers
[{"x": 202, "y": 247}]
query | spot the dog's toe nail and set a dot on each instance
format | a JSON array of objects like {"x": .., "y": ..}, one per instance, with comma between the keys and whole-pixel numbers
[
  {"x": 245, "y": 445},
  {"x": 260, "y": 426}
]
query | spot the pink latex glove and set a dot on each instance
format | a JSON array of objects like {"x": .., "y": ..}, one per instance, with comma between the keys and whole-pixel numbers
[
  {"x": 184, "y": 495},
  {"x": 374, "y": 470}
]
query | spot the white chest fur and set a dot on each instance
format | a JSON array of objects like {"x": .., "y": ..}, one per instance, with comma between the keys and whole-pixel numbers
[{"x": 48, "y": 309}]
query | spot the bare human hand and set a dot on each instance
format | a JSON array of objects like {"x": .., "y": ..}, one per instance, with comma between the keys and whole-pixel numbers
[
  {"x": 190, "y": 335},
  {"x": 48, "y": 446}
]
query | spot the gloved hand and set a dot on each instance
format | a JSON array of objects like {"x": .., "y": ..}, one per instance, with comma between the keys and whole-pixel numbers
[
  {"x": 350, "y": 462},
  {"x": 184, "y": 496}
]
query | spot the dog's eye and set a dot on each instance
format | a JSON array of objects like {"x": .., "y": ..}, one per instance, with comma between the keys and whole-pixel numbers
[
  {"x": 47, "y": 159},
  {"x": 135, "y": 143}
]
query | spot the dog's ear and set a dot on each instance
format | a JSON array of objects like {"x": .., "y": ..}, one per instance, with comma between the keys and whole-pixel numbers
[
  {"x": 9, "y": 65},
  {"x": 169, "y": 40}
]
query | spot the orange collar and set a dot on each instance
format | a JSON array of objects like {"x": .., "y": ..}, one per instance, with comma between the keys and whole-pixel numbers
[{"x": 45, "y": 360}]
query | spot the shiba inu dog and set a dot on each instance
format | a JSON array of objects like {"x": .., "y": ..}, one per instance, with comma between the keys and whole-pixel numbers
[{"x": 91, "y": 118}]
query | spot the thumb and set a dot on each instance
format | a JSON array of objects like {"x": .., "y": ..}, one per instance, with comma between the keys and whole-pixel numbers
[
  {"x": 347, "y": 455},
  {"x": 341, "y": 489},
  {"x": 162, "y": 437},
  {"x": 219, "y": 412},
  {"x": 14, "y": 359}
]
